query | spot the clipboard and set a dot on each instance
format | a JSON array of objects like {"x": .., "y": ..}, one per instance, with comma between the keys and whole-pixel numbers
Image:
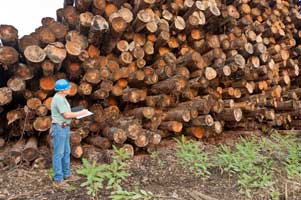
[
  {"x": 79, "y": 108},
  {"x": 86, "y": 115}
]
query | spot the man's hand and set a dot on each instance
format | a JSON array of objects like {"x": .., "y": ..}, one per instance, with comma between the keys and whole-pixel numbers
[{"x": 83, "y": 112}]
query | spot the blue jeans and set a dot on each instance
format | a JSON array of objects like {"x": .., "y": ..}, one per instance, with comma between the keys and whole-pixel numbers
[{"x": 61, "y": 152}]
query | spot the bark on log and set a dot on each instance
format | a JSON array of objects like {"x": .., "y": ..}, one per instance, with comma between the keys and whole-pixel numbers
[
  {"x": 16, "y": 152},
  {"x": 42, "y": 123},
  {"x": 8, "y": 35},
  {"x": 114, "y": 134},
  {"x": 173, "y": 126},
  {"x": 8, "y": 56},
  {"x": 30, "y": 151},
  {"x": 98, "y": 141}
]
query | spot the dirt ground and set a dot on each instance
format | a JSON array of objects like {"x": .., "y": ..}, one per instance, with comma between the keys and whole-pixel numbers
[{"x": 160, "y": 174}]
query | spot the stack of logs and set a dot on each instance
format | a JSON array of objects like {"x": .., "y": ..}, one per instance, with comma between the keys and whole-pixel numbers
[{"x": 150, "y": 69}]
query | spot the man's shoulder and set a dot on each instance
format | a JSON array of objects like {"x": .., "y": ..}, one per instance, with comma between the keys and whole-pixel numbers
[{"x": 57, "y": 98}]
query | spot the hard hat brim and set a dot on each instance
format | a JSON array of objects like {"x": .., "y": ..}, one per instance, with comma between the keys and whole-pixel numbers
[{"x": 68, "y": 87}]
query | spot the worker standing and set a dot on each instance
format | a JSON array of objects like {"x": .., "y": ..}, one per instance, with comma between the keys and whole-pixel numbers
[{"x": 61, "y": 116}]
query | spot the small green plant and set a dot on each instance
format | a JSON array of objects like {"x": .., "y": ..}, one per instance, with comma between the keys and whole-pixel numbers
[
  {"x": 111, "y": 176},
  {"x": 192, "y": 157},
  {"x": 50, "y": 173},
  {"x": 286, "y": 150},
  {"x": 252, "y": 168},
  {"x": 95, "y": 176},
  {"x": 293, "y": 162},
  {"x": 154, "y": 155},
  {"x": 140, "y": 194},
  {"x": 70, "y": 188},
  {"x": 116, "y": 172}
]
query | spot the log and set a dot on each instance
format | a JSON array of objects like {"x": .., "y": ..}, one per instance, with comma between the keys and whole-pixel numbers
[
  {"x": 177, "y": 114},
  {"x": 47, "y": 83},
  {"x": 114, "y": 134},
  {"x": 98, "y": 141},
  {"x": 173, "y": 84},
  {"x": 118, "y": 27},
  {"x": 77, "y": 151},
  {"x": 56, "y": 52},
  {"x": 83, "y": 5},
  {"x": 230, "y": 114},
  {"x": 30, "y": 151},
  {"x": 33, "y": 103},
  {"x": 8, "y": 56},
  {"x": 44, "y": 159},
  {"x": 98, "y": 6},
  {"x": 131, "y": 127},
  {"x": 16, "y": 152},
  {"x": 59, "y": 30},
  {"x": 92, "y": 76},
  {"x": 141, "y": 112},
  {"x": 27, "y": 40},
  {"x": 24, "y": 72},
  {"x": 42, "y": 123},
  {"x": 5, "y": 95},
  {"x": 47, "y": 103},
  {"x": 134, "y": 95},
  {"x": 75, "y": 43},
  {"x": 173, "y": 126},
  {"x": 99, "y": 26},
  {"x": 8, "y": 35},
  {"x": 142, "y": 139},
  {"x": 45, "y": 36},
  {"x": 41, "y": 110},
  {"x": 203, "y": 120},
  {"x": 84, "y": 88},
  {"x": 195, "y": 131},
  {"x": 34, "y": 54},
  {"x": 14, "y": 115},
  {"x": 16, "y": 84}
]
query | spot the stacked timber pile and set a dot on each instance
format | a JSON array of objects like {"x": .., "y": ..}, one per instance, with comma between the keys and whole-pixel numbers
[{"x": 151, "y": 69}]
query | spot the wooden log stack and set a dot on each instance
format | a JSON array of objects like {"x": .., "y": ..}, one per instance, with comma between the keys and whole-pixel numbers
[{"x": 151, "y": 69}]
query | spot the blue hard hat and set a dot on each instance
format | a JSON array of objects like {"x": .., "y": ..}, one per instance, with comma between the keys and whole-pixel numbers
[{"x": 61, "y": 84}]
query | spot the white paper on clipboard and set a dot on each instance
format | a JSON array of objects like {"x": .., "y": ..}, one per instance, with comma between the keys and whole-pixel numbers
[{"x": 85, "y": 115}]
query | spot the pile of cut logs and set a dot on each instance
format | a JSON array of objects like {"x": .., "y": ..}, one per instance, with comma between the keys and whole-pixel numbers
[{"x": 150, "y": 69}]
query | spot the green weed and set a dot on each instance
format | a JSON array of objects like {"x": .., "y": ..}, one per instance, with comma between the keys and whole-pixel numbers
[
  {"x": 50, "y": 173},
  {"x": 293, "y": 162},
  {"x": 70, "y": 188},
  {"x": 154, "y": 156},
  {"x": 116, "y": 171},
  {"x": 252, "y": 168},
  {"x": 192, "y": 157},
  {"x": 95, "y": 176},
  {"x": 110, "y": 176}
]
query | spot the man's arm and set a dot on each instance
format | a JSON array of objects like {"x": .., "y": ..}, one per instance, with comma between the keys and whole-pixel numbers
[
  {"x": 64, "y": 109},
  {"x": 70, "y": 115}
]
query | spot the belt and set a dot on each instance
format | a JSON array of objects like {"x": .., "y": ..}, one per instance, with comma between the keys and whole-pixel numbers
[{"x": 63, "y": 125}]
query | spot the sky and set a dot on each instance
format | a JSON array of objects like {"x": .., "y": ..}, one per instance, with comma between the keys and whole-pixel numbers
[{"x": 26, "y": 15}]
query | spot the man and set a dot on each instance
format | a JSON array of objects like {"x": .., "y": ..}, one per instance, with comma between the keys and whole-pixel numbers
[{"x": 60, "y": 131}]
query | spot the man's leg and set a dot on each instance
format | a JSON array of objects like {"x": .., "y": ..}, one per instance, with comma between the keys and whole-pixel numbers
[
  {"x": 66, "y": 158},
  {"x": 58, "y": 139}
]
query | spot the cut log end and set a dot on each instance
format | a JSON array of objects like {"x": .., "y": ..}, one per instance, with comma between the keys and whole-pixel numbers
[
  {"x": 34, "y": 54},
  {"x": 6, "y": 95}
]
